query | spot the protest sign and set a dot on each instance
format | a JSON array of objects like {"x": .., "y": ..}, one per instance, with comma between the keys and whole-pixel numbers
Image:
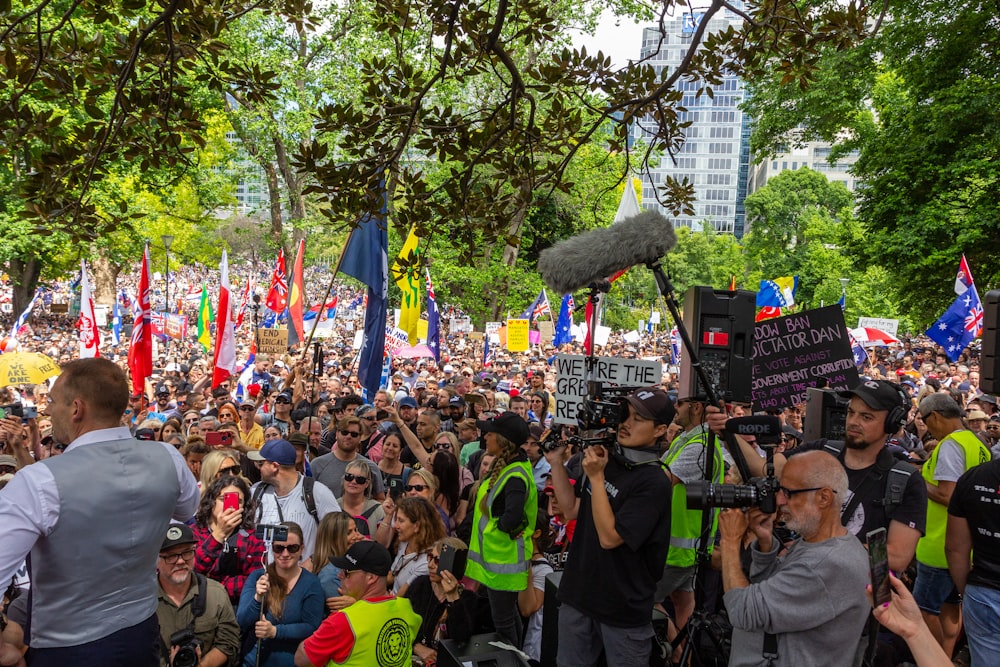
[
  {"x": 794, "y": 352},
  {"x": 880, "y": 323},
  {"x": 517, "y": 335},
  {"x": 546, "y": 332},
  {"x": 572, "y": 377},
  {"x": 272, "y": 341},
  {"x": 460, "y": 325},
  {"x": 175, "y": 326},
  {"x": 395, "y": 338}
]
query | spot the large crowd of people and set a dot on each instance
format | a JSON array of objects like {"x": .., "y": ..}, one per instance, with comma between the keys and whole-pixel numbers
[{"x": 289, "y": 520}]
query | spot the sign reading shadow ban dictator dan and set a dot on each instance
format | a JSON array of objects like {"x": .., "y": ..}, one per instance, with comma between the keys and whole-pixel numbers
[
  {"x": 793, "y": 353},
  {"x": 571, "y": 380},
  {"x": 272, "y": 341}
]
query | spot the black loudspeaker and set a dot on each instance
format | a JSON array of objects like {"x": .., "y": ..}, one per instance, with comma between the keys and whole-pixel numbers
[
  {"x": 826, "y": 415},
  {"x": 989, "y": 362},
  {"x": 477, "y": 652},
  {"x": 721, "y": 326},
  {"x": 550, "y": 620}
]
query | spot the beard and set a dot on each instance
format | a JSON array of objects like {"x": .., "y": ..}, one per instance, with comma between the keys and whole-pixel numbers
[
  {"x": 804, "y": 525},
  {"x": 854, "y": 442}
]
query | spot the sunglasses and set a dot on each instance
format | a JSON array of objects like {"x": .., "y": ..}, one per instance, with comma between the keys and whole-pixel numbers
[
  {"x": 290, "y": 548},
  {"x": 282, "y": 400},
  {"x": 442, "y": 445},
  {"x": 419, "y": 488},
  {"x": 246, "y": 408},
  {"x": 353, "y": 434},
  {"x": 231, "y": 470},
  {"x": 360, "y": 479}
]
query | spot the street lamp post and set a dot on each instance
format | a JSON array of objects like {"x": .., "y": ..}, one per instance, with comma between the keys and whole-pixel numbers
[{"x": 168, "y": 240}]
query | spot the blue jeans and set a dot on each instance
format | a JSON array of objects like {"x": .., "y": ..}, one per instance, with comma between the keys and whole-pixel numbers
[
  {"x": 981, "y": 607},
  {"x": 933, "y": 588}
]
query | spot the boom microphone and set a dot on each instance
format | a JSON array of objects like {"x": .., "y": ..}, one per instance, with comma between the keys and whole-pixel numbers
[{"x": 595, "y": 255}]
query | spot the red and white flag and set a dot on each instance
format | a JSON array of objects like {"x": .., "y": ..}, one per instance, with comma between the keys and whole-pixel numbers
[
  {"x": 140, "y": 350},
  {"x": 963, "y": 281},
  {"x": 241, "y": 313},
  {"x": 90, "y": 335},
  {"x": 277, "y": 296},
  {"x": 225, "y": 334}
]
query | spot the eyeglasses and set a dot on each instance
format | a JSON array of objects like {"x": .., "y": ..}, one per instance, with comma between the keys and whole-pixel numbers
[
  {"x": 246, "y": 408},
  {"x": 290, "y": 548},
  {"x": 360, "y": 479},
  {"x": 353, "y": 434},
  {"x": 180, "y": 402},
  {"x": 282, "y": 400},
  {"x": 433, "y": 558},
  {"x": 177, "y": 557},
  {"x": 344, "y": 574},
  {"x": 442, "y": 445},
  {"x": 231, "y": 470},
  {"x": 419, "y": 488},
  {"x": 791, "y": 492},
  {"x": 369, "y": 419}
]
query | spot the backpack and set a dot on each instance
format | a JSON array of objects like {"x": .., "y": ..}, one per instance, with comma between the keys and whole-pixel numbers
[
  {"x": 307, "y": 496},
  {"x": 892, "y": 471}
]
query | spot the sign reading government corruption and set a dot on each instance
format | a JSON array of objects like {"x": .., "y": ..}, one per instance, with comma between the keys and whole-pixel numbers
[
  {"x": 796, "y": 352},
  {"x": 571, "y": 380}
]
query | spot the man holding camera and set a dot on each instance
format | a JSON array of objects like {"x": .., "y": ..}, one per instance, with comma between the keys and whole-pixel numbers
[
  {"x": 622, "y": 508},
  {"x": 197, "y": 622},
  {"x": 809, "y": 606}
]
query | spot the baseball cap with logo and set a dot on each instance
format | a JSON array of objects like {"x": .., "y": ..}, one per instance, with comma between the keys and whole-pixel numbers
[
  {"x": 652, "y": 403},
  {"x": 277, "y": 451},
  {"x": 876, "y": 394},
  {"x": 177, "y": 533},
  {"x": 366, "y": 556}
]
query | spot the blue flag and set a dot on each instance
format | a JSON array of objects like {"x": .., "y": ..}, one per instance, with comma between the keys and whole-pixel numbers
[
  {"x": 367, "y": 259},
  {"x": 778, "y": 293},
  {"x": 433, "y": 321},
  {"x": 383, "y": 379},
  {"x": 843, "y": 301},
  {"x": 649, "y": 322},
  {"x": 538, "y": 307},
  {"x": 486, "y": 349},
  {"x": 563, "y": 333},
  {"x": 23, "y": 317},
  {"x": 960, "y": 324},
  {"x": 116, "y": 324}
]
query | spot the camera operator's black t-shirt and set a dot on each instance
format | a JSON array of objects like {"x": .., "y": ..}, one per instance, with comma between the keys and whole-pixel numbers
[
  {"x": 870, "y": 513},
  {"x": 616, "y": 586},
  {"x": 976, "y": 496}
]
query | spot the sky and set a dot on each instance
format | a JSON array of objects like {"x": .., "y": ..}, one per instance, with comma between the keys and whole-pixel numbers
[{"x": 621, "y": 42}]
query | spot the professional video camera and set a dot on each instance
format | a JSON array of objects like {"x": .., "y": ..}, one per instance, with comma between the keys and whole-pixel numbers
[
  {"x": 187, "y": 652},
  {"x": 602, "y": 411},
  {"x": 759, "y": 491}
]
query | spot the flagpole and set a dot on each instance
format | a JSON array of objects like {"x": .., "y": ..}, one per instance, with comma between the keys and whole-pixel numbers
[{"x": 326, "y": 297}]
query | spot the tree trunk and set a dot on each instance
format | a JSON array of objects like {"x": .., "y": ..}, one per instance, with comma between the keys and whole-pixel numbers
[
  {"x": 274, "y": 195},
  {"x": 24, "y": 272},
  {"x": 513, "y": 244},
  {"x": 104, "y": 275}
]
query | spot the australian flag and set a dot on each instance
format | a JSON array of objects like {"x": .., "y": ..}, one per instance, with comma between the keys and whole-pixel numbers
[
  {"x": 433, "y": 321},
  {"x": 563, "y": 333},
  {"x": 960, "y": 324},
  {"x": 860, "y": 355}
]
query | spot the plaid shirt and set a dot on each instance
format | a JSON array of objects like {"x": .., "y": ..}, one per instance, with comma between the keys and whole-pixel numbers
[{"x": 249, "y": 551}]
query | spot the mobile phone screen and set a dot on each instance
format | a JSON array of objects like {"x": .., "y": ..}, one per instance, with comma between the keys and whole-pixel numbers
[
  {"x": 230, "y": 501},
  {"x": 878, "y": 560}
]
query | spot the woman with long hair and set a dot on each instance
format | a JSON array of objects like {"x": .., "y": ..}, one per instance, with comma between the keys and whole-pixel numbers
[
  {"x": 170, "y": 427},
  {"x": 218, "y": 463},
  {"x": 227, "y": 549},
  {"x": 357, "y": 500},
  {"x": 336, "y": 532},
  {"x": 418, "y": 526},
  {"x": 503, "y": 523},
  {"x": 444, "y": 467},
  {"x": 390, "y": 464},
  {"x": 447, "y": 610},
  {"x": 538, "y": 406},
  {"x": 281, "y": 604}
]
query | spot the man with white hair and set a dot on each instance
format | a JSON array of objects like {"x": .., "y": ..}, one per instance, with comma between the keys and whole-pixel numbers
[{"x": 805, "y": 608}]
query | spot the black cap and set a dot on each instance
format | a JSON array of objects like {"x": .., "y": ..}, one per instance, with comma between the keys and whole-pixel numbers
[
  {"x": 366, "y": 556},
  {"x": 876, "y": 394},
  {"x": 177, "y": 533},
  {"x": 653, "y": 403},
  {"x": 510, "y": 425}
]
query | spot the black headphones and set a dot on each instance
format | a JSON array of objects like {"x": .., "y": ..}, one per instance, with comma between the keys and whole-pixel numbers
[{"x": 898, "y": 415}]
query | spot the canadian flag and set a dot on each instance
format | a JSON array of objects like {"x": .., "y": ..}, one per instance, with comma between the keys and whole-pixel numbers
[
  {"x": 90, "y": 335},
  {"x": 225, "y": 334}
]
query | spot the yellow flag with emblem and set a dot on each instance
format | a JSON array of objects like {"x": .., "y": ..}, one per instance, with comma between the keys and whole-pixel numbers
[{"x": 406, "y": 273}]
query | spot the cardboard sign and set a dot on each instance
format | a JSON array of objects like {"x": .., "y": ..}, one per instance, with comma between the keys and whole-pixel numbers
[
  {"x": 517, "y": 335},
  {"x": 571, "y": 380},
  {"x": 460, "y": 325},
  {"x": 395, "y": 338},
  {"x": 792, "y": 353},
  {"x": 175, "y": 326},
  {"x": 58, "y": 307},
  {"x": 547, "y": 332},
  {"x": 880, "y": 323},
  {"x": 272, "y": 341}
]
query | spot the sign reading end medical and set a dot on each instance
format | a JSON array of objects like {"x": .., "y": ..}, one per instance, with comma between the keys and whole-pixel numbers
[{"x": 572, "y": 377}]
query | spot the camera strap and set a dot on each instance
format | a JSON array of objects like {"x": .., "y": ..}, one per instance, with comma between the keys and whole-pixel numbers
[
  {"x": 770, "y": 648},
  {"x": 198, "y": 606}
]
